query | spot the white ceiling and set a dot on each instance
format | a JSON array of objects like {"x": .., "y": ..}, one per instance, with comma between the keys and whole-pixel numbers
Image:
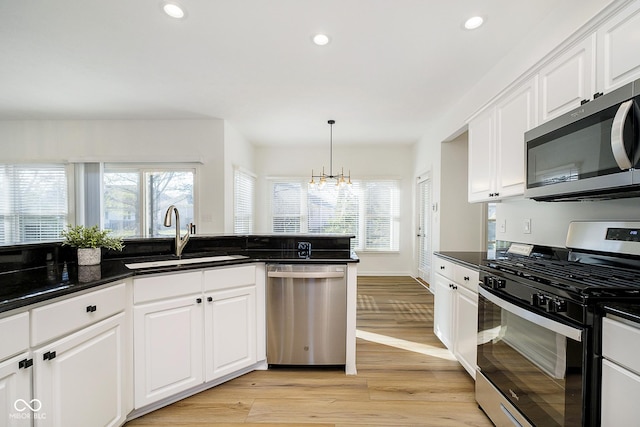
[{"x": 391, "y": 66}]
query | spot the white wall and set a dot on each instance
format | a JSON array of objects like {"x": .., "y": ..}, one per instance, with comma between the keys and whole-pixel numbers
[
  {"x": 364, "y": 162},
  {"x": 461, "y": 222},
  {"x": 199, "y": 141},
  {"x": 550, "y": 220}
]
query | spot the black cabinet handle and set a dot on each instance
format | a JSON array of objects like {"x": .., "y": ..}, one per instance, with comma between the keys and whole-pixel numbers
[
  {"x": 210, "y": 299},
  {"x": 466, "y": 278},
  {"x": 91, "y": 308},
  {"x": 25, "y": 363},
  {"x": 442, "y": 267},
  {"x": 49, "y": 355},
  {"x": 199, "y": 300}
]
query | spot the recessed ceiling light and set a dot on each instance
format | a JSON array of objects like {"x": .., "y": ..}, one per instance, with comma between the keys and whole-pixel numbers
[
  {"x": 173, "y": 10},
  {"x": 473, "y": 22},
  {"x": 321, "y": 39}
]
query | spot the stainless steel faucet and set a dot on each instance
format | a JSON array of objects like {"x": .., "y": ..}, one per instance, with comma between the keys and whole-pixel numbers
[{"x": 181, "y": 242}]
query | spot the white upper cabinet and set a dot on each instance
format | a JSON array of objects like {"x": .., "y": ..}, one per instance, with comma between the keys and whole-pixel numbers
[
  {"x": 481, "y": 157},
  {"x": 568, "y": 80},
  {"x": 618, "y": 41},
  {"x": 496, "y": 145},
  {"x": 515, "y": 114}
]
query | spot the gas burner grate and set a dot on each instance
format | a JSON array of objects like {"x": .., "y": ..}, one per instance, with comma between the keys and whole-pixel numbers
[{"x": 567, "y": 274}]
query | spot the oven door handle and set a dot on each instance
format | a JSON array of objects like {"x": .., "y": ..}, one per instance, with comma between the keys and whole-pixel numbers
[{"x": 560, "y": 328}]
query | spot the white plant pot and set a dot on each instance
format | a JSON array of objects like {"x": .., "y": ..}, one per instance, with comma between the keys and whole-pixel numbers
[{"x": 89, "y": 256}]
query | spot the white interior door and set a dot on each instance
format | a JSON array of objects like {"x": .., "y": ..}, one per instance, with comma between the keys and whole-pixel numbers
[{"x": 424, "y": 227}]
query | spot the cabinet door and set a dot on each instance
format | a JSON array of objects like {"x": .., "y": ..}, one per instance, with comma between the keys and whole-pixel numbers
[
  {"x": 168, "y": 348},
  {"x": 79, "y": 379},
  {"x": 16, "y": 407},
  {"x": 568, "y": 80},
  {"x": 618, "y": 59},
  {"x": 515, "y": 114},
  {"x": 230, "y": 331},
  {"x": 620, "y": 391},
  {"x": 481, "y": 157},
  {"x": 443, "y": 311},
  {"x": 466, "y": 324}
]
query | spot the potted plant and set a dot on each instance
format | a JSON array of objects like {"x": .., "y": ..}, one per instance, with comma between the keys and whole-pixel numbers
[{"x": 89, "y": 241}]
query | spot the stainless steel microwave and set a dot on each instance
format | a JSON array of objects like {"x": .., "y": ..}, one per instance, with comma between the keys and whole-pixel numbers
[{"x": 591, "y": 152}]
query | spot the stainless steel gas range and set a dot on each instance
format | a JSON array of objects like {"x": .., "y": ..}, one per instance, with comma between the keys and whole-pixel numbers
[{"x": 539, "y": 328}]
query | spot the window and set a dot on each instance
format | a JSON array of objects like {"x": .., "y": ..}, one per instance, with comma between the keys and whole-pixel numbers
[
  {"x": 491, "y": 227},
  {"x": 243, "y": 201},
  {"x": 368, "y": 209},
  {"x": 136, "y": 199},
  {"x": 33, "y": 202}
]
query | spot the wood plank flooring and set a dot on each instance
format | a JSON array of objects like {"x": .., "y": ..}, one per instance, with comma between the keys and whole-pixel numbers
[{"x": 406, "y": 377}]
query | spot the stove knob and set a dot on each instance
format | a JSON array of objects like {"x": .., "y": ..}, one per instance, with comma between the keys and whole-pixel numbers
[
  {"x": 559, "y": 306},
  {"x": 499, "y": 283},
  {"x": 539, "y": 300}
]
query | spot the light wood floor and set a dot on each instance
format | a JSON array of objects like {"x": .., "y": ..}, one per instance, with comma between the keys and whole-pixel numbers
[{"x": 405, "y": 377}]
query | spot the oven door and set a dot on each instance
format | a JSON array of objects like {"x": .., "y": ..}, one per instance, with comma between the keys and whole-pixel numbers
[{"x": 536, "y": 363}]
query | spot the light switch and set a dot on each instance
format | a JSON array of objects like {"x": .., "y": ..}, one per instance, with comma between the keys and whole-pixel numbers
[
  {"x": 526, "y": 226},
  {"x": 502, "y": 225}
]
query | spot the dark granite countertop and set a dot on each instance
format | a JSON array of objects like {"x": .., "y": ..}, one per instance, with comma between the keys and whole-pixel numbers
[
  {"x": 471, "y": 260},
  {"x": 31, "y": 274}
]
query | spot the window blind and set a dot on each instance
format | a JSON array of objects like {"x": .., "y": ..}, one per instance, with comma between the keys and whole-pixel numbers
[
  {"x": 286, "y": 207},
  {"x": 33, "y": 202},
  {"x": 243, "y": 203},
  {"x": 382, "y": 215}
]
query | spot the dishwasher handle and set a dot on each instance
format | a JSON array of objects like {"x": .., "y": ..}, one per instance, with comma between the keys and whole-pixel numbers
[{"x": 306, "y": 274}]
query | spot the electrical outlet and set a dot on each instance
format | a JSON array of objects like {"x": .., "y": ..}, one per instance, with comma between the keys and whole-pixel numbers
[
  {"x": 526, "y": 226},
  {"x": 502, "y": 226}
]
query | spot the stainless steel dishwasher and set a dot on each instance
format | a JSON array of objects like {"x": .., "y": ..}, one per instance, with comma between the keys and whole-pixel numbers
[{"x": 306, "y": 314}]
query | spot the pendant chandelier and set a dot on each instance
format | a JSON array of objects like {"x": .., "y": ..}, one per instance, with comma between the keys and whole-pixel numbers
[{"x": 341, "y": 178}]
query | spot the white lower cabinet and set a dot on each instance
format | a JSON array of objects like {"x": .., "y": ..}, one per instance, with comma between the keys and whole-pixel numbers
[
  {"x": 620, "y": 372},
  {"x": 78, "y": 379},
  {"x": 230, "y": 331},
  {"x": 15, "y": 391},
  {"x": 466, "y": 324},
  {"x": 443, "y": 311},
  {"x": 167, "y": 347},
  {"x": 456, "y": 312},
  {"x": 182, "y": 341}
]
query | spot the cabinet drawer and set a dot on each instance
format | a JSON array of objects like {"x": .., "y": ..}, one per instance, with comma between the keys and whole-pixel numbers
[
  {"x": 153, "y": 288},
  {"x": 225, "y": 278},
  {"x": 466, "y": 277},
  {"x": 621, "y": 343},
  {"x": 60, "y": 318},
  {"x": 14, "y": 331},
  {"x": 444, "y": 267}
]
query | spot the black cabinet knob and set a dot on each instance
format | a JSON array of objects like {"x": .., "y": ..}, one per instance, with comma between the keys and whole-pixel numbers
[
  {"x": 199, "y": 300},
  {"x": 49, "y": 355},
  {"x": 91, "y": 308},
  {"x": 209, "y": 299}
]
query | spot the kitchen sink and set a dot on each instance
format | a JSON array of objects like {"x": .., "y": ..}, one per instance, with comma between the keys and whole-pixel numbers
[{"x": 183, "y": 261}]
